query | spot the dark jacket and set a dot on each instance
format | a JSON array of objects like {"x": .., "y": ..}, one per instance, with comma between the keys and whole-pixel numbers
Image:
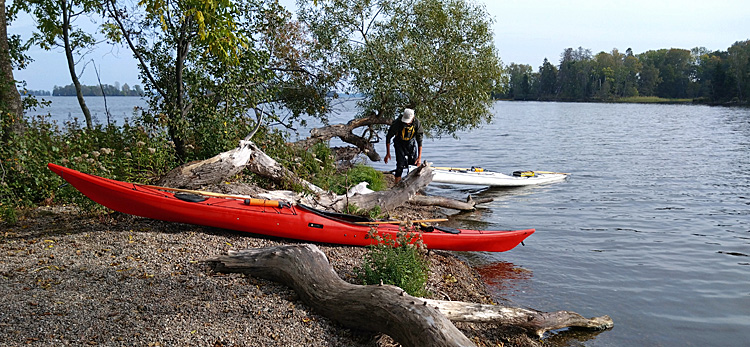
[{"x": 404, "y": 133}]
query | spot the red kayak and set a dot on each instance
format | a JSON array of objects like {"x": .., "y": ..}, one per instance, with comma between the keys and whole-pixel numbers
[{"x": 268, "y": 217}]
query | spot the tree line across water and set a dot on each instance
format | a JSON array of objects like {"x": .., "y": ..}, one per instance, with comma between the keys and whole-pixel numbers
[
  {"x": 700, "y": 75},
  {"x": 101, "y": 90}
]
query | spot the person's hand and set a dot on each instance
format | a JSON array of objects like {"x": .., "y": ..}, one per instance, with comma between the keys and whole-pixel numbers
[
  {"x": 387, "y": 158},
  {"x": 419, "y": 160}
]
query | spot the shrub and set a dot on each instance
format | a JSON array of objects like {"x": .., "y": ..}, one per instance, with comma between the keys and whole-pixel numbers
[{"x": 400, "y": 262}]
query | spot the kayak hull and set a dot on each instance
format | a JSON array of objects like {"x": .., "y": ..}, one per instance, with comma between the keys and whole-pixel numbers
[
  {"x": 295, "y": 222},
  {"x": 493, "y": 179}
]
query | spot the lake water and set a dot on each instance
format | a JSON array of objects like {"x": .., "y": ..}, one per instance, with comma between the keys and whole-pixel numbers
[
  {"x": 652, "y": 228},
  {"x": 66, "y": 108}
]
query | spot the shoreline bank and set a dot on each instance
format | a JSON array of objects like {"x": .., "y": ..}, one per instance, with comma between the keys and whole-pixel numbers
[{"x": 72, "y": 279}]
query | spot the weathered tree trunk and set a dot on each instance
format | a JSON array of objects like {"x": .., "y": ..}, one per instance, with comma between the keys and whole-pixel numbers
[
  {"x": 408, "y": 320},
  {"x": 218, "y": 168},
  {"x": 383, "y": 308},
  {"x": 536, "y": 322},
  {"x": 400, "y": 194},
  {"x": 10, "y": 100}
]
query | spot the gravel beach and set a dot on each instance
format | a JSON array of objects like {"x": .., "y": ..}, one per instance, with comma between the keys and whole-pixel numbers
[{"x": 71, "y": 279}]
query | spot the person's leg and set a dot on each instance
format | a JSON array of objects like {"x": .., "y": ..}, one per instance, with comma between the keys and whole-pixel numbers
[
  {"x": 401, "y": 160},
  {"x": 411, "y": 153}
]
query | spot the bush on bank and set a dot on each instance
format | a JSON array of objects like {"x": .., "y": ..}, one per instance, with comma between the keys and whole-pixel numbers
[{"x": 140, "y": 151}]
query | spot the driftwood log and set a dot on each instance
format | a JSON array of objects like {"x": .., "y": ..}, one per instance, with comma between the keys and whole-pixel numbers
[
  {"x": 469, "y": 205},
  {"x": 384, "y": 308},
  {"x": 218, "y": 168},
  {"x": 533, "y": 321},
  {"x": 400, "y": 194}
]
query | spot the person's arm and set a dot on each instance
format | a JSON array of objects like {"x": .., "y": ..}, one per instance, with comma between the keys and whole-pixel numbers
[
  {"x": 420, "y": 135},
  {"x": 387, "y": 151},
  {"x": 388, "y": 136}
]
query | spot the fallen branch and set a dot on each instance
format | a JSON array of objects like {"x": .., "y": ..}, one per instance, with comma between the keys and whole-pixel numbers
[
  {"x": 388, "y": 309},
  {"x": 468, "y": 205},
  {"x": 345, "y": 132}
]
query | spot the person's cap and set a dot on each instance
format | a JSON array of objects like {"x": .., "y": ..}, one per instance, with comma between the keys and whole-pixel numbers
[{"x": 408, "y": 115}]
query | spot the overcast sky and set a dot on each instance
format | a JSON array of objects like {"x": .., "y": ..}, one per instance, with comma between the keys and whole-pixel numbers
[{"x": 526, "y": 32}]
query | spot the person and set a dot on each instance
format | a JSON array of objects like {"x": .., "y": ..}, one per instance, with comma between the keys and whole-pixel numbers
[{"x": 408, "y": 135}]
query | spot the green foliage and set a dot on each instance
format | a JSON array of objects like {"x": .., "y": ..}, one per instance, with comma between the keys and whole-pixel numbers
[
  {"x": 652, "y": 100},
  {"x": 340, "y": 183},
  {"x": 133, "y": 152},
  {"x": 208, "y": 65},
  {"x": 664, "y": 75},
  {"x": 436, "y": 56},
  {"x": 8, "y": 214},
  {"x": 105, "y": 89},
  {"x": 400, "y": 262}
]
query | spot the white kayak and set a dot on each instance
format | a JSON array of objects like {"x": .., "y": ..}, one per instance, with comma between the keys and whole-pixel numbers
[{"x": 478, "y": 176}]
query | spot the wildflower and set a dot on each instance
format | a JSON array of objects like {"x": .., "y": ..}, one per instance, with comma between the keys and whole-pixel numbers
[
  {"x": 85, "y": 155},
  {"x": 140, "y": 143},
  {"x": 90, "y": 160},
  {"x": 65, "y": 161},
  {"x": 127, "y": 154},
  {"x": 152, "y": 150},
  {"x": 105, "y": 151},
  {"x": 95, "y": 154},
  {"x": 77, "y": 159}
]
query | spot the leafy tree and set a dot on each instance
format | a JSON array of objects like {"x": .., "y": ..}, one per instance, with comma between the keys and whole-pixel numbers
[
  {"x": 55, "y": 24},
  {"x": 547, "y": 80},
  {"x": 205, "y": 65},
  {"x": 675, "y": 71},
  {"x": 574, "y": 79},
  {"x": 520, "y": 81},
  {"x": 605, "y": 67},
  {"x": 739, "y": 67},
  {"x": 628, "y": 75},
  {"x": 436, "y": 56},
  {"x": 717, "y": 83}
]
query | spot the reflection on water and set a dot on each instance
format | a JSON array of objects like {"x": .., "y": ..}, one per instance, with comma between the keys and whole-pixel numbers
[{"x": 505, "y": 279}]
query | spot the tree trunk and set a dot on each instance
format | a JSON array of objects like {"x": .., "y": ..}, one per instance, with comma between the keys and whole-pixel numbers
[
  {"x": 384, "y": 308},
  {"x": 345, "y": 132},
  {"x": 533, "y": 321},
  {"x": 400, "y": 194},
  {"x": 218, "y": 168},
  {"x": 10, "y": 100},
  {"x": 67, "y": 13}
]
